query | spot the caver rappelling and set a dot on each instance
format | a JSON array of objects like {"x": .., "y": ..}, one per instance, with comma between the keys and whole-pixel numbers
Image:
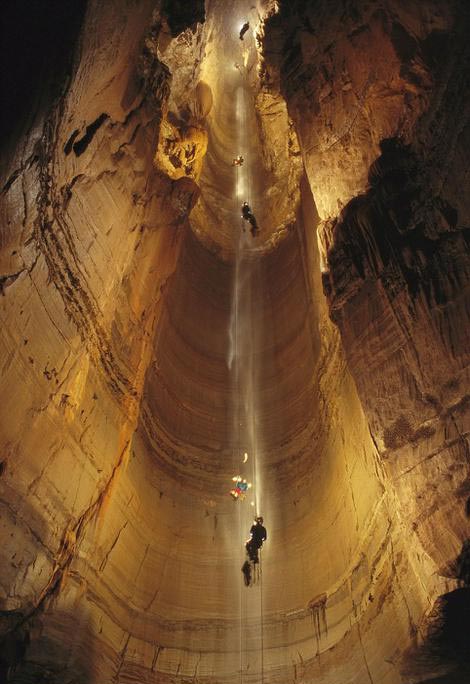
[
  {"x": 258, "y": 535},
  {"x": 248, "y": 215},
  {"x": 238, "y": 161}
]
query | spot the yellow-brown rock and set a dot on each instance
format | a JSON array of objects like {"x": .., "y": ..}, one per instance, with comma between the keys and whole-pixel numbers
[
  {"x": 180, "y": 151},
  {"x": 151, "y": 337}
]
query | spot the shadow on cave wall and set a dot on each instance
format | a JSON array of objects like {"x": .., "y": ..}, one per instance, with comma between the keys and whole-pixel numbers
[
  {"x": 397, "y": 221},
  {"x": 444, "y": 655},
  {"x": 181, "y": 14},
  {"x": 39, "y": 642},
  {"x": 55, "y": 647},
  {"x": 37, "y": 43}
]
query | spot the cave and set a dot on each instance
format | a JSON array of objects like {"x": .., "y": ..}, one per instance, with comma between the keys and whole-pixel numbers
[{"x": 160, "y": 345}]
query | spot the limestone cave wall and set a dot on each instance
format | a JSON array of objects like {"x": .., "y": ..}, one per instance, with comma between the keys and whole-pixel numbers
[{"x": 121, "y": 252}]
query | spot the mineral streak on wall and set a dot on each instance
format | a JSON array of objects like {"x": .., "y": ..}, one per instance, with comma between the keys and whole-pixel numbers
[{"x": 120, "y": 217}]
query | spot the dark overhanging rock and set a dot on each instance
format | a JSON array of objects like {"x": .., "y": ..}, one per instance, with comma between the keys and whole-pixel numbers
[
  {"x": 181, "y": 15},
  {"x": 37, "y": 50}
]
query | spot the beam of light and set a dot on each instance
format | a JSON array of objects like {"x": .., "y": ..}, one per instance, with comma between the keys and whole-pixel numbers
[{"x": 241, "y": 186}]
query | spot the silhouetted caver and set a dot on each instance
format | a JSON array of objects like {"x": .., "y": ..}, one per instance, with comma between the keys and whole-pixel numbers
[
  {"x": 248, "y": 215},
  {"x": 238, "y": 161},
  {"x": 244, "y": 29},
  {"x": 246, "y": 211},
  {"x": 258, "y": 535},
  {"x": 246, "y": 570}
]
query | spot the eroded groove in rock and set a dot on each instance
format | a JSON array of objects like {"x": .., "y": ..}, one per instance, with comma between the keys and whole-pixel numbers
[
  {"x": 82, "y": 143},
  {"x": 133, "y": 293}
]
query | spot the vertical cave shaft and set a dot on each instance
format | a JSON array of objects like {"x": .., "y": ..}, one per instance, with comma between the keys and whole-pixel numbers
[{"x": 150, "y": 339}]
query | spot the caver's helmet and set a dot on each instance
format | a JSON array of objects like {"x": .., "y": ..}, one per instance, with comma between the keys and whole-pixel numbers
[{"x": 259, "y": 519}]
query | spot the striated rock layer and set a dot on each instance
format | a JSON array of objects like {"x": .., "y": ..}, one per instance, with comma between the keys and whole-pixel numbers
[{"x": 124, "y": 418}]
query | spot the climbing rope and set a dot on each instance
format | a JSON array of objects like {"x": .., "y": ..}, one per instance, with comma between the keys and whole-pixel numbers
[
  {"x": 261, "y": 616},
  {"x": 244, "y": 403},
  {"x": 240, "y": 595},
  {"x": 237, "y": 409}
]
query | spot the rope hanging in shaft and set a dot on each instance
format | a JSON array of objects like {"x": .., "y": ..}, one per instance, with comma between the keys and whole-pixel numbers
[{"x": 244, "y": 404}]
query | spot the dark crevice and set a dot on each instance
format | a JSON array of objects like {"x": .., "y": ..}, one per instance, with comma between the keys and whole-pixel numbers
[
  {"x": 446, "y": 644},
  {"x": 80, "y": 146},
  {"x": 404, "y": 44},
  {"x": 380, "y": 234},
  {"x": 37, "y": 44},
  {"x": 69, "y": 144},
  {"x": 10, "y": 181},
  {"x": 462, "y": 564},
  {"x": 181, "y": 15},
  {"x": 7, "y": 280}
]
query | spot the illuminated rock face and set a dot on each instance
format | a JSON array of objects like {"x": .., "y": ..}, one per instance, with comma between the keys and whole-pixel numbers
[{"x": 120, "y": 426}]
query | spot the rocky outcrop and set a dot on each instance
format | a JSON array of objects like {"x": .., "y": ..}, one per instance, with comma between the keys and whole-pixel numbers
[
  {"x": 353, "y": 75},
  {"x": 399, "y": 264},
  {"x": 129, "y": 288},
  {"x": 88, "y": 221},
  {"x": 381, "y": 112}
]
